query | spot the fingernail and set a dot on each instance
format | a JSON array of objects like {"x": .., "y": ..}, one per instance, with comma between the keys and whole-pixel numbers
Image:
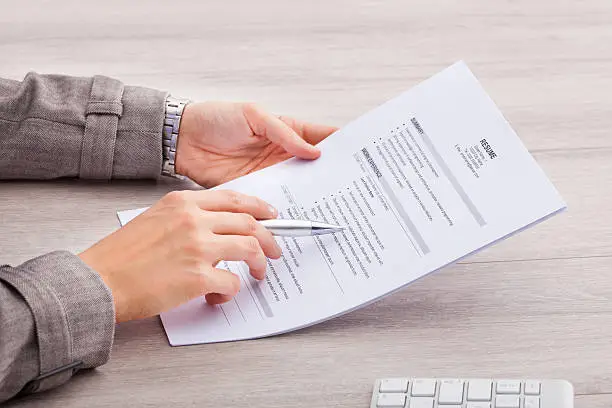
[{"x": 272, "y": 210}]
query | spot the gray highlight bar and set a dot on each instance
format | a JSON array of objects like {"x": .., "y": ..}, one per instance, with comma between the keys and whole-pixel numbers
[
  {"x": 449, "y": 175},
  {"x": 402, "y": 213},
  {"x": 262, "y": 300}
]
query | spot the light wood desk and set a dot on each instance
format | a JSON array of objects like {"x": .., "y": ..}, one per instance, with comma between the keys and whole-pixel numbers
[{"x": 539, "y": 304}]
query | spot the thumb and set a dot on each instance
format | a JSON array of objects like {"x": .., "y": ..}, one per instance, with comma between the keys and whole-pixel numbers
[{"x": 275, "y": 130}]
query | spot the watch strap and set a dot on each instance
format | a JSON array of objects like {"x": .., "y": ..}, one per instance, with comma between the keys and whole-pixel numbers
[{"x": 170, "y": 134}]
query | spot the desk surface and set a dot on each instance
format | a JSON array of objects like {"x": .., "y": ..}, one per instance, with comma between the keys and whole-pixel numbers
[{"x": 539, "y": 304}]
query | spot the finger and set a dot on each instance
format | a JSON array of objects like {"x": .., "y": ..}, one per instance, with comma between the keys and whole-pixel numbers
[
  {"x": 244, "y": 224},
  {"x": 311, "y": 132},
  {"x": 241, "y": 248},
  {"x": 217, "y": 298},
  {"x": 220, "y": 281},
  {"x": 272, "y": 128},
  {"x": 232, "y": 201}
]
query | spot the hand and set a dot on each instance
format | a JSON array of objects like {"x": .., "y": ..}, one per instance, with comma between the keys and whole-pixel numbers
[
  {"x": 220, "y": 141},
  {"x": 167, "y": 255}
]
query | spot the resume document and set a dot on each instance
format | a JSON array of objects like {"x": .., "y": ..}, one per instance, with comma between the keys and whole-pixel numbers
[{"x": 421, "y": 181}]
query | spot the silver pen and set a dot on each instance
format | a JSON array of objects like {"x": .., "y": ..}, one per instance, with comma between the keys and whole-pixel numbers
[{"x": 299, "y": 228}]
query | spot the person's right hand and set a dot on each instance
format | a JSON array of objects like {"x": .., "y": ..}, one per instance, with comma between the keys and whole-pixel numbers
[{"x": 167, "y": 255}]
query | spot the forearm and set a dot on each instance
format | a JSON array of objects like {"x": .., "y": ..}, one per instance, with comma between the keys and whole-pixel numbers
[
  {"x": 55, "y": 126},
  {"x": 55, "y": 312}
]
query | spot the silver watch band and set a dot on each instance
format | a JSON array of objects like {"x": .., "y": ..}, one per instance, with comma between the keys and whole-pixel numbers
[{"x": 170, "y": 133}]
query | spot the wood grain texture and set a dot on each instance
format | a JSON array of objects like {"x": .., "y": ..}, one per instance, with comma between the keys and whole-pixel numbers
[{"x": 538, "y": 304}]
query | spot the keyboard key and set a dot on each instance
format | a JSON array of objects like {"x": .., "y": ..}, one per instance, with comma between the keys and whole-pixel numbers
[
  {"x": 424, "y": 387},
  {"x": 508, "y": 387},
  {"x": 420, "y": 402},
  {"x": 532, "y": 387},
  {"x": 451, "y": 392},
  {"x": 391, "y": 400},
  {"x": 479, "y": 390},
  {"x": 394, "y": 385},
  {"x": 479, "y": 405},
  {"x": 507, "y": 401},
  {"x": 532, "y": 402}
]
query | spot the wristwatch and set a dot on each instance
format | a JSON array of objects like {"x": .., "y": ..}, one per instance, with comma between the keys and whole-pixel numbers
[{"x": 170, "y": 133}]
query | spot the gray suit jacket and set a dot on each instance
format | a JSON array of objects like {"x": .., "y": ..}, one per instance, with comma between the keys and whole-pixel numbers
[{"x": 56, "y": 314}]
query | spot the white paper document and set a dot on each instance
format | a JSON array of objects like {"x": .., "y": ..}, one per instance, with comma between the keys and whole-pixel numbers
[{"x": 421, "y": 181}]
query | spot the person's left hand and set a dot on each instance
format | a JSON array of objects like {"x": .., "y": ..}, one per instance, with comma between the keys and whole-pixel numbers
[{"x": 220, "y": 141}]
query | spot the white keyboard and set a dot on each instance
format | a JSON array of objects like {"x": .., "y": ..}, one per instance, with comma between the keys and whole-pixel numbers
[{"x": 471, "y": 393}]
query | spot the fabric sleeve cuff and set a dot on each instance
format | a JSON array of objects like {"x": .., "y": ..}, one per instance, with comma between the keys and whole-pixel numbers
[
  {"x": 73, "y": 311},
  {"x": 138, "y": 147}
]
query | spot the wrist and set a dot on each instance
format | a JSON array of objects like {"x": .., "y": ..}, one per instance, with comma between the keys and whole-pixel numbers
[{"x": 89, "y": 258}]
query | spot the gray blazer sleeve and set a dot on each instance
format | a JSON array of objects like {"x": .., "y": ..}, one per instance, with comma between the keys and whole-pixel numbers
[
  {"x": 56, "y": 314},
  {"x": 95, "y": 128}
]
